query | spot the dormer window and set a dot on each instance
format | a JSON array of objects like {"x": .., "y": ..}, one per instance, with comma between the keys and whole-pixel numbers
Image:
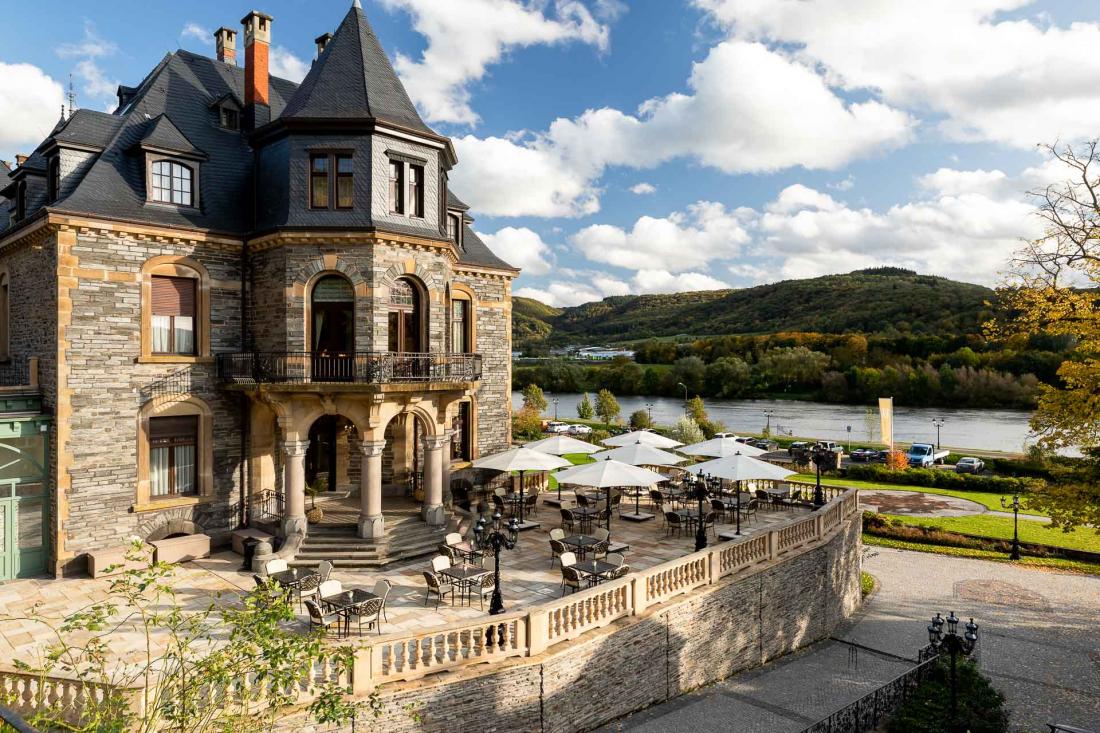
[
  {"x": 416, "y": 190},
  {"x": 397, "y": 187},
  {"x": 171, "y": 183},
  {"x": 230, "y": 118},
  {"x": 323, "y": 168},
  {"x": 53, "y": 180},
  {"x": 21, "y": 201},
  {"x": 452, "y": 228}
]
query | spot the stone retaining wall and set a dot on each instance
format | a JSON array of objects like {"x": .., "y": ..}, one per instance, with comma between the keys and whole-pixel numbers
[{"x": 700, "y": 638}]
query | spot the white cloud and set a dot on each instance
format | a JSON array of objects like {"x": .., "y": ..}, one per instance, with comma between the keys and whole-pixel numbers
[
  {"x": 643, "y": 189},
  {"x": 96, "y": 82},
  {"x": 765, "y": 112},
  {"x": 845, "y": 185},
  {"x": 30, "y": 105},
  {"x": 662, "y": 281},
  {"x": 522, "y": 248},
  {"x": 681, "y": 241},
  {"x": 597, "y": 286},
  {"x": 90, "y": 46},
  {"x": 203, "y": 35},
  {"x": 465, "y": 38},
  {"x": 1010, "y": 80},
  {"x": 286, "y": 65}
]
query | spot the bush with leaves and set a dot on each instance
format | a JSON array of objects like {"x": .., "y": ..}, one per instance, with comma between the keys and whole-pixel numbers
[
  {"x": 687, "y": 431},
  {"x": 527, "y": 424},
  {"x": 585, "y": 411},
  {"x": 189, "y": 658},
  {"x": 607, "y": 407},
  {"x": 639, "y": 420},
  {"x": 938, "y": 478},
  {"x": 897, "y": 461},
  {"x": 980, "y": 707},
  {"x": 534, "y": 398}
]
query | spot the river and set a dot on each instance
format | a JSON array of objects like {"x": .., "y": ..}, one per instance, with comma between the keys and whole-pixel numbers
[{"x": 993, "y": 430}]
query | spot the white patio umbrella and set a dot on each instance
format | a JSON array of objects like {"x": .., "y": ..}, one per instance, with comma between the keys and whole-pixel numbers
[
  {"x": 521, "y": 459},
  {"x": 740, "y": 468},
  {"x": 606, "y": 475},
  {"x": 560, "y": 445},
  {"x": 721, "y": 448},
  {"x": 642, "y": 436},
  {"x": 640, "y": 454}
]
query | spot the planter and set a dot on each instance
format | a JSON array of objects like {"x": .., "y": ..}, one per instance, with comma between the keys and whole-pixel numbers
[{"x": 314, "y": 515}]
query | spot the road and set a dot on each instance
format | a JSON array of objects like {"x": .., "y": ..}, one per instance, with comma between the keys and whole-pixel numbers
[{"x": 1040, "y": 644}]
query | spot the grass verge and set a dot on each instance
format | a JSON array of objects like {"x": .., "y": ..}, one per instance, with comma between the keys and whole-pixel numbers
[
  {"x": 1000, "y": 528},
  {"x": 1038, "y": 563}
]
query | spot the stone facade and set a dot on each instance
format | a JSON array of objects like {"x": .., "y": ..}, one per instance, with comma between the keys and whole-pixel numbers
[{"x": 705, "y": 637}]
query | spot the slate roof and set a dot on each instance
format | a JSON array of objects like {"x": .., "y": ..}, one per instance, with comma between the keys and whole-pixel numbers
[
  {"x": 88, "y": 127},
  {"x": 454, "y": 202},
  {"x": 161, "y": 133},
  {"x": 353, "y": 79},
  {"x": 476, "y": 252}
]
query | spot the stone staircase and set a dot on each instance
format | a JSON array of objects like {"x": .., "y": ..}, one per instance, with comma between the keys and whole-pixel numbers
[{"x": 407, "y": 537}]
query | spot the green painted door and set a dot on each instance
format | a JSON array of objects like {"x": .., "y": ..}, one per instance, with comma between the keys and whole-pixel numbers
[{"x": 23, "y": 506}]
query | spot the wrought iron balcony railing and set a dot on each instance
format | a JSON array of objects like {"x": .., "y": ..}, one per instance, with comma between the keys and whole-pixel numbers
[{"x": 384, "y": 367}]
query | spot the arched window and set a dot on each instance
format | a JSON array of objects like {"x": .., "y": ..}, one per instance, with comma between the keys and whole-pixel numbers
[
  {"x": 405, "y": 318},
  {"x": 333, "y": 312},
  {"x": 171, "y": 183},
  {"x": 5, "y": 341},
  {"x": 462, "y": 316},
  {"x": 175, "y": 310},
  {"x": 175, "y": 453}
]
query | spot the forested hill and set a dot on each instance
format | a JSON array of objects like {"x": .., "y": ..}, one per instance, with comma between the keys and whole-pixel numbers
[{"x": 867, "y": 301}]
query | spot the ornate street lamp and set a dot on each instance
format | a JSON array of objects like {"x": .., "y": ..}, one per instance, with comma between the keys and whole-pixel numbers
[
  {"x": 681, "y": 384},
  {"x": 769, "y": 414},
  {"x": 701, "y": 491},
  {"x": 821, "y": 456},
  {"x": 1015, "y": 506},
  {"x": 954, "y": 644},
  {"x": 938, "y": 422},
  {"x": 496, "y": 539}
]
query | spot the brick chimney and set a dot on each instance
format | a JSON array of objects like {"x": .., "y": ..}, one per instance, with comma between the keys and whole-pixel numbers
[
  {"x": 321, "y": 42},
  {"x": 20, "y": 159},
  {"x": 226, "y": 39},
  {"x": 257, "y": 44}
]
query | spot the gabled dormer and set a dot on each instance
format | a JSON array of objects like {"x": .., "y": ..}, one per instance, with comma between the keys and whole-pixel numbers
[
  {"x": 172, "y": 164},
  {"x": 227, "y": 111}
]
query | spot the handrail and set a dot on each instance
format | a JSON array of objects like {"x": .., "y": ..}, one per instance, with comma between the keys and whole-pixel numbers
[
  {"x": 15, "y": 721},
  {"x": 370, "y": 367},
  {"x": 865, "y": 713}
]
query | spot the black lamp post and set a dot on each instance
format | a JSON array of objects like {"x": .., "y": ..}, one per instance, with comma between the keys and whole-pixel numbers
[
  {"x": 494, "y": 538},
  {"x": 768, "y": 427},
  {"x": 681, "y": 384},
  {"x": 1015, "y": 507},
  {"x": 820, "y": 456},
  {"x": 938, "y": 422},
  {"x": 954, "y": 644},
  {"x": 701, "y": 497}
]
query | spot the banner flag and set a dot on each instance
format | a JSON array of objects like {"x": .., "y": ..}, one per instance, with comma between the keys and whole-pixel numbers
[{"x": 886, "y": 417}]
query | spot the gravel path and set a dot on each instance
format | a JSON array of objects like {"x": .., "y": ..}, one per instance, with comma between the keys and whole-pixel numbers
[{"x": 1040, "y": 645}]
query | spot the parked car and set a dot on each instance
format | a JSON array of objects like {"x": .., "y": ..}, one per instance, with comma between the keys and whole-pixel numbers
[
  {"x": 557, "y": 427},
  {"x": 882, "y": 456},
  {"x": 580, "y": 430},
  {"x": 864, "y": 455},
  {"x": 726, "y": 435},
  {"x": 799, "y": 446},
  {"x": 764, "y": 444},
  {"x": 969, "y": 465}
]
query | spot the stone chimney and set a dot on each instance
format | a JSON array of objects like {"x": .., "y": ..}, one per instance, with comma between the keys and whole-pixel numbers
[
  {"x": 20, "y": 159},
  {"x": 226, "y": 39},
  {"x": 257, "y": 45},
  {"x": 322, "y": 42}
]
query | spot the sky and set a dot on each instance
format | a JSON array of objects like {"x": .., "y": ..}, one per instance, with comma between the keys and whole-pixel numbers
[{"x": 609, "y": 147}]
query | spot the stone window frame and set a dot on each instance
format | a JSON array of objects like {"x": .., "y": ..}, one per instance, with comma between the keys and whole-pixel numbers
[
  {"x": 175, "y": 407},
  {"x": 307, "y": 322},
  {"x": 458, "y": 291},
  {"x": 5, "y": 315},
  {"x": 188, "y": 162},
  {"x": 176, "y": 266}
]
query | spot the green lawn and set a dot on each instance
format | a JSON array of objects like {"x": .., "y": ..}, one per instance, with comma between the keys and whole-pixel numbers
[
  {"x": 1040, "y": 563},
  {"x": 988, "y": 499},
  {"x": 576, "y": 459},
  {"x": 1000, "y": 528}
]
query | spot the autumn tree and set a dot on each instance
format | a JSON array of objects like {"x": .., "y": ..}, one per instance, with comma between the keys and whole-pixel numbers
[
  {"x": 607, "y": 407},
  {"x": 534, "y": 399},
  {"x": 1052, "y": 291}
]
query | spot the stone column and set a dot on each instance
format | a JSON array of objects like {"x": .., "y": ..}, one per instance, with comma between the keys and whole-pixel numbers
[
  {"x": 294, "y": 484},
  {"x": 446, "y": 481},
  {"x": 371, "y": 523},
  {"x": 433, "y": 511}
]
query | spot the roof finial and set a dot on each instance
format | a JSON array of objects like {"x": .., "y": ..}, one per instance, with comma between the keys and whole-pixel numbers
[{"x": 355, "y": 4}]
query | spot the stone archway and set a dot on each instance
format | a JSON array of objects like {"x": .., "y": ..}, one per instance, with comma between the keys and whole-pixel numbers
[{"x": 164, "y": 526}]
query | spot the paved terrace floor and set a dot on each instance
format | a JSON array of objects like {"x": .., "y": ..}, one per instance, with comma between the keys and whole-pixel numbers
[{"x": 527, "y": 580}]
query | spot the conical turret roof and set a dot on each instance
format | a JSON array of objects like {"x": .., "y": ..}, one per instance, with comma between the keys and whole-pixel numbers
[{"x": 353, "y": 79}]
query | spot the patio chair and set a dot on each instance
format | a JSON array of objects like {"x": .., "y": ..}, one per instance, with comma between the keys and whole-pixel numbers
[
  {"x": 568, "y": 519},
  {"x": 308, "y": 587},
  {"x": 582, "y": 500},
  {"x": 557, "y": 547},
  {"x": 382, "y": 590},
  {"x": 434, "y": 585},
  {"x": 500, "y": 506},
  {"x": 368, "y": 612},
  {"x": 440, "y": 563},
  {"x": 328, "y": 589},
  {"x": 450, "y": 553},
  {"x": 260, "y": 582},
  {"x": 748, "y": 511},
  {"x": 673, "y": 523},
  {"x": 452, "y": 538},
  {"x": 708, "y": 521},
  {"x": 530, "y": 503},
  {"x": 599, "y": 549},
  {"x": 616, "y": 502},
  {"x": 615, "y": 558},
  {"x": 618, "y": 572},
  {"x": 324, "y": 569},
  {"x": 318, "y": 618},
  {"x": 571, "y": 579},
  {"x": 275, "y": 566},
  {"x": 568, "y": 558},
  {"x": 719, "y": 507},
  {"x": 486, "y": 588}
]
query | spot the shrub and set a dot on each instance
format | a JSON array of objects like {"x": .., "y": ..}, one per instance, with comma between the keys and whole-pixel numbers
[
  {"x": 527, "y": 424},
  {"x": 687, "y": 431},
  {"x": 937, "y": 478},
  {"x": 639, "y": 420},
  {"x": 928, "y": 709},
  {"x": 897, "y": 461},
  {"x": 585, "y": 411},
  {"x": 534, "y": 398}
]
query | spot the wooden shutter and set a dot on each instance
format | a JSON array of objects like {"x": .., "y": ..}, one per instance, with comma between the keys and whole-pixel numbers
[
  {"x": 173, "y": 296},
  {"x": 183, "y": 426}
]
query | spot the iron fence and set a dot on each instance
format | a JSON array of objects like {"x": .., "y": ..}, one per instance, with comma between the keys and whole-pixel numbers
[
  {"x": 267, "y": 506},
  {"x": 176, "y": 383},
  {"x": 384, "y": 367},
  {"x": 866, "y": 713}
]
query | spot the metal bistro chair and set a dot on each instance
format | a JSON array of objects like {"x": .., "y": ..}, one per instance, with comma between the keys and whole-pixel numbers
[
  {"x": 318, "y": 618},
  {"x": 709, "y": 520},
  {"x": 441, "y": 589},
  {"x": 324, "y": 569},
  {"x": 748, "y": 511},
  {"x": 277, "y": 565},
  {"x": 486, "y": 587},
  {"x": 368, "y": 612},
  {"x": 599, "y": 549},
  {"x": 382, "y": 590},
  {"x": 530, "y": 503},
  {"x": 557, "y": 547},
  {"x": 308, "y": 587},
  {"x": 440, "y": 563},
  {"x": 568, "y": 519},
  {"x": 673, "y": 523},
  {"x": 718, "y": 507},
  {"x": 570, "y": 578}
]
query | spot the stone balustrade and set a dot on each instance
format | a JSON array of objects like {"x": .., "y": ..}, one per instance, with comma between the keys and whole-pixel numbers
[{"x": 74, "y": 699}]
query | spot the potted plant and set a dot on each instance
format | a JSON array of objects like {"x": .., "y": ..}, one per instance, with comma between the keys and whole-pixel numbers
[{"x": 315, "y": 515}]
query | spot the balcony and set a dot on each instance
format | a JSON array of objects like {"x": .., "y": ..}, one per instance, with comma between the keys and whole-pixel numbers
[{"x": 375, "y": 368}]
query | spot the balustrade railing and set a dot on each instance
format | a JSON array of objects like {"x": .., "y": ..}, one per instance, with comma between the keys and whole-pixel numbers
[
  {"x": 65, "y": 699},
  {"x": 383, "y": 367}
]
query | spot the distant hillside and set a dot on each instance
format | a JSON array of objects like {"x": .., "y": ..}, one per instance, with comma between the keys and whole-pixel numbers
[{"x": 869, "y": 301}]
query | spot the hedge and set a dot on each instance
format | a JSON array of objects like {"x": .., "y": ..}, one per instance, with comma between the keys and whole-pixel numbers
[{"x": 937, "y": 478}]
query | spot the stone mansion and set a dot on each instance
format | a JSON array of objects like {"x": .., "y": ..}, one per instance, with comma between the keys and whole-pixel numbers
[{"x": 236, "y": 290}]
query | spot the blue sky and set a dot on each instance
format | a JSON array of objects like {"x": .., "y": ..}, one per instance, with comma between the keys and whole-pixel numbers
[{"x": 618, "y": 146}]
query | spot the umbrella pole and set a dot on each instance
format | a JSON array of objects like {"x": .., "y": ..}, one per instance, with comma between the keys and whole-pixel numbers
[
  {"x": 737, "y": 487},
  {"x": 521, "y": 496}
]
